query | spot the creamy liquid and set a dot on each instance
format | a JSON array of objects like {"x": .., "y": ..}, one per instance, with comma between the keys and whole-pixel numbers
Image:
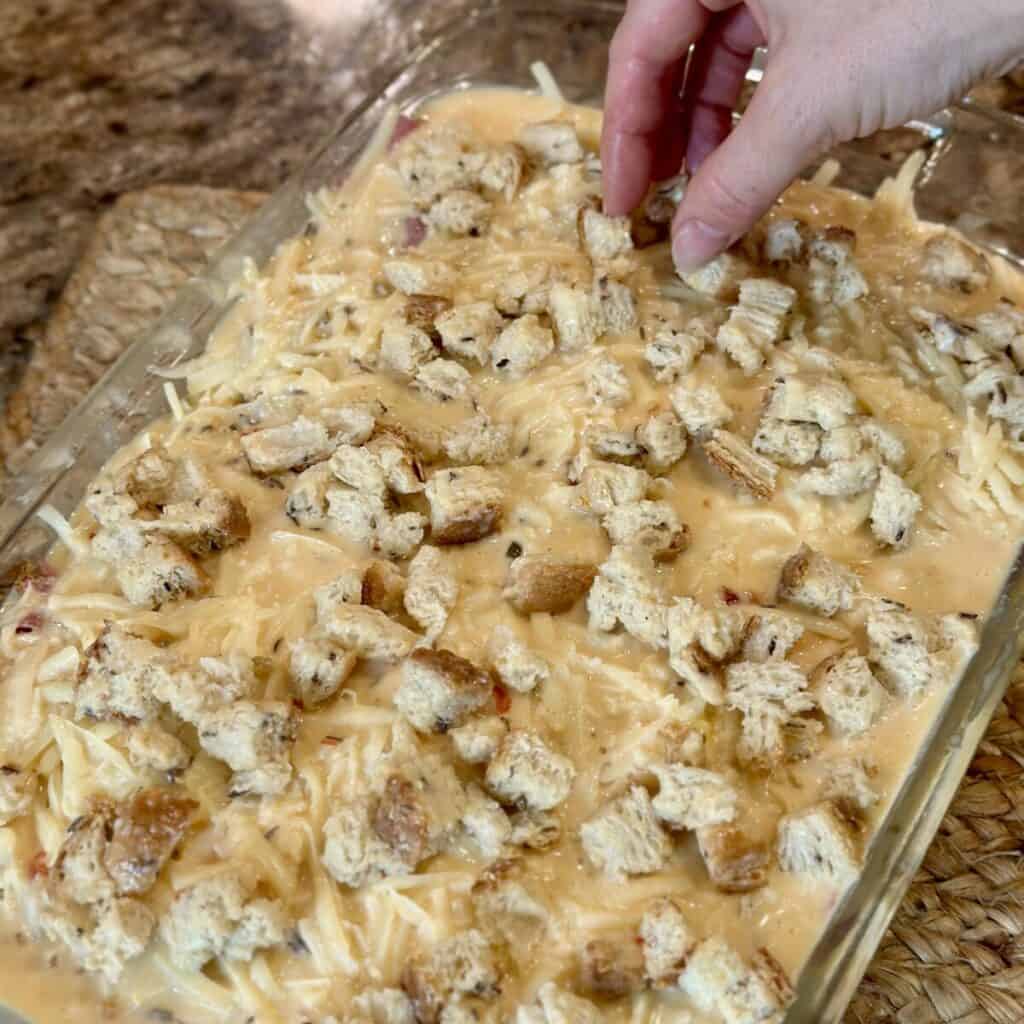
[{"x": 606, "y": 694}]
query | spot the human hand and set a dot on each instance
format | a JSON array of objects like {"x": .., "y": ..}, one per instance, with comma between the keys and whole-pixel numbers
[{"x": 836, "y": 70}]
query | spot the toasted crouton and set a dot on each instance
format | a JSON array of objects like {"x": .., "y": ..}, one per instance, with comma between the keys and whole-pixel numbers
[
  {"x": 317, "y": 669},
  {"x": 849, "y": 784},
  {"x": 884, "y": 442},
  {"x": 818, "y": 842},
  {"x": 667, "y": 941},
  {"x": 294, "y": 445},
  {"x": 485, "y": 824},
  {"x": 122, "y": 933},
  {"x": 503, "y": 170},
  {"x": 663, "y": 438},
  {"x": 615, "y": 445},
  {"x": 413, "y": 276},
  {"x": 120, "y": 676},
  {"x": 255, "y": 741},
  {"x": 552, "y": 142},
  {"x": 79, "y": 872},
  {"x": 626, "y": 591},
  {"x": 576, "y": 315},
  {"x": 431, "y": 591},
  {"x": 701, "y": 409},
  {"x": 526, "y": 772},
  {"x": 524, "y": 291},
  {"x": 689, "y": 798},
  {"x": 207, "y": 524},
  {"x": 383, "y": 588},
  {"x": 150, "y": 569},
  {"x": 653, "y": 525},
  {"x": 368, "y": 632},
  {"x": 153, "y": 749},
  {"x": 718, "y": 981},
  {"x": 462, "y": 965},
  {"x": 423, "y": 312},
  {"x": 404, "y": 349},
  {"x": 624, "y": 838},
  {"x": 768, "y": 694},
  {"x": 732, "y": 456},
  {"x": 617, "y": 305},
  {"x": 813, "y": 581},
  {"x": 517, "y": 666},
  {"x": 791, "y": 444},
  {"x": 611, "y": 969},
  {"x": 719, "y": 279},
  {"x": 461, "y": 212},
  {"x": 898, "y": 648},
  {"x": 784, "y": 241},
  {"x": 735, "y": 861},
  {"x": 893, "y": 509},
  {"x": 478, "y": 441},
  {"x": 468, "y": 331},
  {"x": 144, "y": 833},
  {"x": 671, "y": 351},
  {"x": 770, "y": 634},
  {"x": 841, "y": 443},
  {"x": 607, "y": 486},
  {"x": 465, "y": 504},
  {"x": 948, "y": 262},
  {"x": 604, "y": 237},
  {"x": 478, "y": 740},
  {"x": 801, "y": 398},
  {"x": 848, "y": 693},
  {"x": 443, "y": 380},
  {"x": 756, "y": 322},
  {"x": 440, "y": 690},
  {"x": 522, "y": 345},
  {"x": 607, "y": 383},
  {"x": 307, "y": 501},
  {"x": 686, "y": 658},
  {"x": 536, "y": 583},
  {"x": 843, "y": 479},
  {"x": 353, "y": 852}
]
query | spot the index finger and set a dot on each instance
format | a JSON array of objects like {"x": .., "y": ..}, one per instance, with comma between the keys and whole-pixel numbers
[{"x": 644, "y": 74}]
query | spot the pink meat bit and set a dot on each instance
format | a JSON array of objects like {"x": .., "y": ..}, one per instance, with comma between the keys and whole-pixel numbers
[
  {"x": 29, "y": 623},
  {"x": 403, "y": 126},
  {"x": 40, "y": 577},
  {"x": 415, "y": 229}
]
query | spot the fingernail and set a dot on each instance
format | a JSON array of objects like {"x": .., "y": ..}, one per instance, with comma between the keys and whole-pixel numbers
[{"x": 695, "y": 243}]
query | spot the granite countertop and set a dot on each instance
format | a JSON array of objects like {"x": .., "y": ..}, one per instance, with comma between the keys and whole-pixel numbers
[{"x": 101, "y": 97}]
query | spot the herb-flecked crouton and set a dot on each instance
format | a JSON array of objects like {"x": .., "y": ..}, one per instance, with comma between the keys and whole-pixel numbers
[
  {"x": 626, "y": 591},
  {"x": 720, "y": 278},
  {"x": 948, "y": 262},
  {"x": 893, "y": 509},
  {"x": 790, "y": 444},
  {"x": 770, "y": 635},
  {"x": 898, "y": 648},
  {"x": 522, "y": 345},
  {"x": 150, "y": 569},
  {"x": 477, "y": 441},
  {"x": 503, "y": 170},
  {"x": 653, "y": 525},
  {"x": 368, "y": 632},
  {"x": 603, "y": 237},
  {"x": 733, "y": 457},
  {"x": 576, "y": 315},
  {"x": 624, "y": 838},
  {"x": 204, "y": 525},
  {"x": 353, "y": 852},
  {"x": 526, "y": 772},
  {"x": 468, "y": 331},
  {"x": 255, "y": 741},
  {"x": 818, "y": 842},
  {"x": 465, "y": 504},
  {"x": 608, "y": 485},
  {"x": 845, "y": 478},
  {"x": 444, "y": 380},
  {"x": 463, "y": 965},
  {"x": 784, "y": 241},
  {"x": 537, "y": 583},
  {"x": 404, "y": 349},
  {"x": 814, "y": 581},
  {"x": 478, "y": 740},
  {"x": 805, "y": 398},
  {"x": 440, "y": 690},
  {"x": 461, "y": 212},
  {"x": 383, "y": 588},
  {"x": 756, "y": 323},
  {"x": 294, "y": 445},
  {"x": 607, "y": 383},
  {"x": 663, "y": 438},
  {"x": 672, "y": 350},
  {"x": 317, "y": 669}
]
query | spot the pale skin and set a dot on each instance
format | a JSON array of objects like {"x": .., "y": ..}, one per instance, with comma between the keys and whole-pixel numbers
[{"x": 836, "y": 70}]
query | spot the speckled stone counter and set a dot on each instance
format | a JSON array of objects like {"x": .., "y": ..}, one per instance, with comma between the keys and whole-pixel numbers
[{"x": 101, "y": 97}]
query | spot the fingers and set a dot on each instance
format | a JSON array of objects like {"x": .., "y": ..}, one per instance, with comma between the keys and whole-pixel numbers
[
  {"x": 642, "y": 123},
  {"x": 784, "y": 127},
  {"x": 715, "y": 80}
]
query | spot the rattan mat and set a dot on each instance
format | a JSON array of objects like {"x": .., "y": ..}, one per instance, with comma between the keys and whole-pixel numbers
[{"x": 955, "y": 951}]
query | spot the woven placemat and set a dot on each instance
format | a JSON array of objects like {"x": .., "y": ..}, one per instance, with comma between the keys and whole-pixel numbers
[{"x": 955, "y": 951}]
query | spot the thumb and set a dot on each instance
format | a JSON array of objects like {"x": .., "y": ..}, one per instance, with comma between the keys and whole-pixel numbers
[{"x": 782, "y": 130}]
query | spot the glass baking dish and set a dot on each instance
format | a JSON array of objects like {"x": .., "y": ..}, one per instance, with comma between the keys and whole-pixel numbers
[{"x": 970, "y": 152}]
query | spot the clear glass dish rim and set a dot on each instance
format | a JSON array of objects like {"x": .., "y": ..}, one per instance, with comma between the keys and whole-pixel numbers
[{"x": 851, "y": 937}]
